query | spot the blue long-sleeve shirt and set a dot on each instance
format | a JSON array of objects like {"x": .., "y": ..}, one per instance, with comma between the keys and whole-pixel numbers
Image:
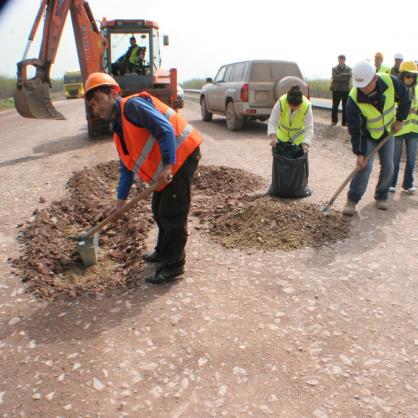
[
  {"x": 141, "y": 112},
  {"x": 357, "y": 122}
]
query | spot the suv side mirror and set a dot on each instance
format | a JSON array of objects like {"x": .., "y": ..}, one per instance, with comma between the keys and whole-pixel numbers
[
  {"x": 209, "y": 80},
  {"x": 166, "y": 41}
]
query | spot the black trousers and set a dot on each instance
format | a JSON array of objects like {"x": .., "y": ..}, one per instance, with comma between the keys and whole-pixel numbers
[
  {"x": 338, "y": 96},
  {"x": 170, "y": 208}
]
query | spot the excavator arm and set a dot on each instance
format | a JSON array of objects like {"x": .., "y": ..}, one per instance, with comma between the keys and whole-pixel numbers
[{"x": 32, "y": 99}]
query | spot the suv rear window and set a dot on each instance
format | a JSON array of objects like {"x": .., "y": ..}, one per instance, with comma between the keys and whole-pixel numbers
[
  {"x": 228, "y": 73},
  {"x": 239, "y": 72},
  {"x": 274, "y": 71}
]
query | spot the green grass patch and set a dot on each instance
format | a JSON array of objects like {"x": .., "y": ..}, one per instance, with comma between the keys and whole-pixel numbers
[
  {"x": 195, "y": 83},
  {"x": 320, "y": 88},
  {"x": 8, "y": 86},
  {"x": 6, "y": 103}
]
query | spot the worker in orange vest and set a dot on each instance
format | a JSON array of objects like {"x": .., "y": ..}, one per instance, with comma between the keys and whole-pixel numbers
[{"x": 154, "y": 142}]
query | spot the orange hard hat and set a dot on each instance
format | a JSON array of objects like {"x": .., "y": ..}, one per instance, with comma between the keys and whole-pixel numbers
[{"x": 100, "y": 79}]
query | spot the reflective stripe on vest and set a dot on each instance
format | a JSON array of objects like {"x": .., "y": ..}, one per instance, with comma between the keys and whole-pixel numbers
[
  {"x": 378, "y": 122},
  {"x": 151, "y": 141},
  {"x": 411, "y": 123},
  {"x": 288, "y": 129},
  {"x": 144, "y": 155}
]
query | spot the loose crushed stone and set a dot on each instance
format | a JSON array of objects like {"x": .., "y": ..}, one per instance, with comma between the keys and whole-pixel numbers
[
  {"x": 50, "y": 264},
  {"x": 272, "y": 224},
  {"x": 229, "y": 204},
  {"x": 236, "y": 217}
]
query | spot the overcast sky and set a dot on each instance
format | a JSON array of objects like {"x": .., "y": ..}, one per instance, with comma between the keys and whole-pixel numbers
[{"x": 207, "y": 34}]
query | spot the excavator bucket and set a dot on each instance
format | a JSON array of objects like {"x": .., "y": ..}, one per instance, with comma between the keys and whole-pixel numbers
[{"x": 32, "y": 100}]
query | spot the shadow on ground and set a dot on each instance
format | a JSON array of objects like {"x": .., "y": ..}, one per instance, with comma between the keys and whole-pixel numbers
[{"x": 57, "y": 146}]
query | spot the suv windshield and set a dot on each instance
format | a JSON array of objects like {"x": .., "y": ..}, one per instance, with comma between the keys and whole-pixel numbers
[{"x": 274, "y": 71}]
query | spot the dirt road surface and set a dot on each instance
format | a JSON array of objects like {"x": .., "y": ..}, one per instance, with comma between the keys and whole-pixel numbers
[{"x": 315, "y": 332}]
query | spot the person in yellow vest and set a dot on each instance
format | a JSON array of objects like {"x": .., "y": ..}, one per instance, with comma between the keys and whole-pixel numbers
[
  {"x": 409, "y": 131},
  {"x": 371, "y": 115},
  {"x": 378, "y": 63},
  {"x": 155, "y": 143},
  {"x": 128, "y": 61},
  {"x": 290, "y": 126},
  {"x": 291, "y": 120}
]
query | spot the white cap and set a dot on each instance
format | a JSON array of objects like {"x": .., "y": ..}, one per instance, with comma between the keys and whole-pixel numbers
[
  {"x": 363, "y": 73},
  {"x": 398, "y": 56}
]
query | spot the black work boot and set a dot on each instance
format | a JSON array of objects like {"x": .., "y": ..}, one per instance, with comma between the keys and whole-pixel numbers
[
  {"x": 152, "y": 257},
  {"x": 165, "y": 274}
]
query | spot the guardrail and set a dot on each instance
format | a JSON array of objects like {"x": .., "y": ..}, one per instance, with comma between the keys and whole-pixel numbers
[{"x": 316, "y": 102}]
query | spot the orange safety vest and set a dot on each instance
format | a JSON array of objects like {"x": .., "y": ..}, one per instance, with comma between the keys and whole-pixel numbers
[{"x": 144, "y": 156}]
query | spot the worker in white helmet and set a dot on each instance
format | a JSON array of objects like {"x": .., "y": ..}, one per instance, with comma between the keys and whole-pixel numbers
[
  {"x": 398, "y": 57},
  {"x": 371, "y": 115}
]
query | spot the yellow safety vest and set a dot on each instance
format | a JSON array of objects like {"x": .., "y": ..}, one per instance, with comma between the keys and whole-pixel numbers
[
  {"x": 383, "y": 69},
  {"x": 411, "y": 123},
  {"x": 377, "y": 122},
  {"x": 288, "y": 129},
  {"x": 134, "y": 55}
]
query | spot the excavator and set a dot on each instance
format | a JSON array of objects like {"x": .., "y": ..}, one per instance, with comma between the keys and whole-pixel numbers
[{"x": 98, "y": 50}]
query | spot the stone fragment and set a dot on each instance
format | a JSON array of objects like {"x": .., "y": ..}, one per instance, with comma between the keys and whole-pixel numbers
[
  {"x": 15, "y": 320},
  {"x": 202, "y": 361},
  {"x": 312, "y": 382},
  {"x": 97, "y": 384},
  {"x": 50, "y": 396}
]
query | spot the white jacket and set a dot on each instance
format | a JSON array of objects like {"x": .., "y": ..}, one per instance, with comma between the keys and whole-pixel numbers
[{"x": 308, "y": 121}]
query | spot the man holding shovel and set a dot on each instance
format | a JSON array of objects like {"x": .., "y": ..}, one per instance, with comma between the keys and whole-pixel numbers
[
  {"x": 371, "y": 116},
  {"x": 157, "y": 144}
]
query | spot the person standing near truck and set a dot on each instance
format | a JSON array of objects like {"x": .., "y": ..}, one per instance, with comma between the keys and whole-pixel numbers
[{"x": 340, "y": 87}]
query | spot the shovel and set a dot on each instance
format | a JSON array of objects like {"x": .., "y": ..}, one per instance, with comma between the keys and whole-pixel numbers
[
  {"x": 88, "y": 242},
  {"x": 370, "y": 155}
]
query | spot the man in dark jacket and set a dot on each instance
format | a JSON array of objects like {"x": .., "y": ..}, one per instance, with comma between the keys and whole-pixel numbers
[
  {"x": 371, "y": 116},
  {"x": 340, "y": 87}
]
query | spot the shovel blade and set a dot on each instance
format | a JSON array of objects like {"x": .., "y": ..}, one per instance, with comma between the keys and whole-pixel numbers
[
  {"x": 88, "y": 248},
  {"x": 32, "y": 100},
  {"x": 326, "y": 210}
]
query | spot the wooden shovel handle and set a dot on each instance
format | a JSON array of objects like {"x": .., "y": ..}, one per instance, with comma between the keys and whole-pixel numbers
[
  {"x": 356, "y": 170},
  {"x": 143, "y": 195}
]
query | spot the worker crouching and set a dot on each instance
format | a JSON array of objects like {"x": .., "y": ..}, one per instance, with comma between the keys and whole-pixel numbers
[
  {"x": 157, "y": 144},
  {"x": 290, "y": 129}
]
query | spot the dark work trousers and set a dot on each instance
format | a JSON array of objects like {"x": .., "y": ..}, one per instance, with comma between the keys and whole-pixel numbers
[
  {"x": 170, "y": 208},
  {"x": 338, "y": 96}
]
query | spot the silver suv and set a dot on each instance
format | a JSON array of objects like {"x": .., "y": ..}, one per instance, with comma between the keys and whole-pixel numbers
[{"x": 248, "y": 90}]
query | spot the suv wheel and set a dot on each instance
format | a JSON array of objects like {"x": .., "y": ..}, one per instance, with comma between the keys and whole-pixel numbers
[
  {"x": 206, "y": 116},
  {"x": 233, "y": 122}
]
